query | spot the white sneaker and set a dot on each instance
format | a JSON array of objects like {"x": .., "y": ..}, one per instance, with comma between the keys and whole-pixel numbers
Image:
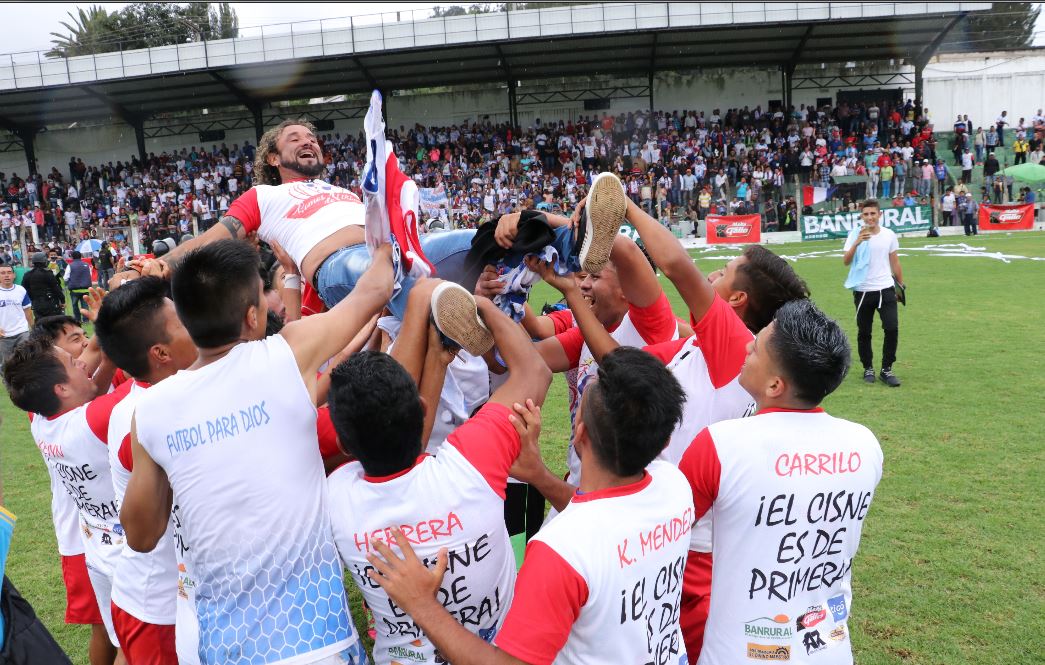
[
  {"x": 605, "y": 209},
  {"x": 457, "y": 318}
]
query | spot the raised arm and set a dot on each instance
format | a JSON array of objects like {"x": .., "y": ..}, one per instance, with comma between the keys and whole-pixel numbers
[
  {"x": 146, "y": 507},
  {"x": 673, "y": 260},
  {"x": 436, "y": 361},
  {"x": 599, "y": 340},
  {"x": 411, "y": 345},
  {"x": 315, "y": 339},
  {"x": 228, "y": 227},
  {"x": 529, "y": 377}
]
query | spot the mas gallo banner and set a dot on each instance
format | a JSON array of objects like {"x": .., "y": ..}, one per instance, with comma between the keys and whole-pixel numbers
[
  {"x": 733, "y": 229},
  {"x": 900, "y": 220},
  {"x": 1006, "y": 217}
]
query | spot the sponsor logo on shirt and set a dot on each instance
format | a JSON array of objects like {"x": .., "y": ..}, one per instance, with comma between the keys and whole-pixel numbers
[
  {"x": 813, "y": 642},
  {"x": 837, "y": 633},
  {"x": 398, "y": 653},
  {"x": 812, "y": 617},
  {"x": 769, "y": 628},
  {"x": 768, "y": 651},
  {"x": 838, "y": 608}
]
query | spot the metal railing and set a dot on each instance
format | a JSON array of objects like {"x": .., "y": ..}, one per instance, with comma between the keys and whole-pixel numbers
[{"x": 419, "y": 28}]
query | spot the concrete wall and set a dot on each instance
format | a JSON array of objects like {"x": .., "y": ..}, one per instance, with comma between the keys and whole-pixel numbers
[{"x": 983, "y": 85}]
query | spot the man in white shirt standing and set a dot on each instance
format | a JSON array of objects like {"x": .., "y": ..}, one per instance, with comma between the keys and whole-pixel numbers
[
  {"x": 16, "y": 313},
  {"x": 875, "y": 268}
]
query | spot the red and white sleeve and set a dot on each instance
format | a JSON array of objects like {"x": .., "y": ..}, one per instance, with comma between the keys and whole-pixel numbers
[
  {"x": 655, "y": 323},
  {"x": 549, "y": 595},
  {"x": 723, "y": 339},
  {"x": 572, "y": 342},
  {"x": 246, "y": 209},
  {"x": 702, "y": 468},
  {"x": 490, "y": 443}
]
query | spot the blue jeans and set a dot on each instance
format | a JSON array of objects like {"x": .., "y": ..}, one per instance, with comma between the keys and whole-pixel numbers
[{"x": 447, "y": 251}]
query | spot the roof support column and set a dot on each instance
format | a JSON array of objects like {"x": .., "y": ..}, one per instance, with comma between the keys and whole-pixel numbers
[
  {"x": 139, "y": 138},
  {"x": 513, "y": 105},
  {"x": 649, "y": 83},
  {"x": 259, "y": 122},
  {"x": 28, "y": 134},
  {"x": 918, "y": 68}
]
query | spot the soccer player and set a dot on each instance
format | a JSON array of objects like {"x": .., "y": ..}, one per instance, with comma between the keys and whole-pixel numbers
[
  {"x": 454, "y": 500},
  {"x": 321, "y": 226},
  {"x": 69, "y": 424},
  {"x": 724, "y": 309},
  {"x": 140, "y": 332},
  {"x": 624, "y": 300},
  {"x": 871, "y": 253},
  {"x": 790, "y": 488},
  {"x": 234, "y": 438},
  {"x": 602, "y": 582}
]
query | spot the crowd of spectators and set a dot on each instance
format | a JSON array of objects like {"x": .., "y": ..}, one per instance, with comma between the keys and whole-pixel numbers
[{"x": 676, "y": 164}]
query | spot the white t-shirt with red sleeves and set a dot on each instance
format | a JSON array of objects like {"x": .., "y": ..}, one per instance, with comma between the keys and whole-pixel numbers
[
  {"x": 74, "y": 444},
  {"x": 457, "y": 502},
  {"x": 639, "y": 327},
  {"x": 707, "y": 366},
  {"x": 145, "y": 585},
  {"x": 64, "y": 512},
  {"x": 602, "y": 583},
  {"x": 790, "y": 490},
  {"x": 298, "y": 215}
]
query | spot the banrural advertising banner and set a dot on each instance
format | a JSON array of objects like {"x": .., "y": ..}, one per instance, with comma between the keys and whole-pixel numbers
[
  {"x": 838, "y": 225},
  {"x": 733, "y": 229},
  {"x": 1006, "y": 217}
]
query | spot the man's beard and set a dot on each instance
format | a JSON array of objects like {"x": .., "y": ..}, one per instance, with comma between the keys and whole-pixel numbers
[{"x": 308, "y": 171}]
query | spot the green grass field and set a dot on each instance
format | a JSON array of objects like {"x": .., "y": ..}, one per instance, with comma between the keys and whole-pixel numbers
[{"x": 950, "y": 569}]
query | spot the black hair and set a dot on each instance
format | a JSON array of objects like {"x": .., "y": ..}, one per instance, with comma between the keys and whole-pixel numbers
[
  {"x": 213, "y": 287},
  {"x": 769, "y": 281},
  {"x": 50, "y": 327},
  {"x": 77, "y": 254},
  {"x": 31, "y": 372},
  {"x": 631, "y": 410},
  {"x": 810, "y": 349},
  {"x": 376, "y": 411},
  {"x": 273, "y": 324},
  {"x": 130, "y": 322}
]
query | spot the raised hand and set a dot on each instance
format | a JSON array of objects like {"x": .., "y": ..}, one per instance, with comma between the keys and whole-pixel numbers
[
  {"x": 405, "y": 579},
  {"x": 528, "y": 466},
  {"x": 93, "y": 300}
]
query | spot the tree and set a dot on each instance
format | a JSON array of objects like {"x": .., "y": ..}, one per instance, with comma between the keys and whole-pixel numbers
[
  {"x": 91, "y": 29},
  {"x": 457, "y": 10},
  {"x": 144, "y": 24},
  {"x": 1008, "y": 25}
]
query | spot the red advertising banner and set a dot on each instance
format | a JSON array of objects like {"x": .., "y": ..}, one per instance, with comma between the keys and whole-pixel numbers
[
  {"x": 733, "y": 229},
  {"x": 1006, "y": 217}
]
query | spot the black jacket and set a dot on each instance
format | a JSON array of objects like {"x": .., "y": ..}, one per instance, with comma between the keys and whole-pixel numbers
[{"x": 44, "y": 291}]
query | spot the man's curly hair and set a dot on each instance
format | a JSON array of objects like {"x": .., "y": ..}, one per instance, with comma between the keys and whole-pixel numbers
[{"x": 265, "y": 173}]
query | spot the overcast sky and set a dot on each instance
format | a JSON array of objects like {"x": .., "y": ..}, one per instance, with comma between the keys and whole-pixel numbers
[{"x": 30, "y": 23}]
